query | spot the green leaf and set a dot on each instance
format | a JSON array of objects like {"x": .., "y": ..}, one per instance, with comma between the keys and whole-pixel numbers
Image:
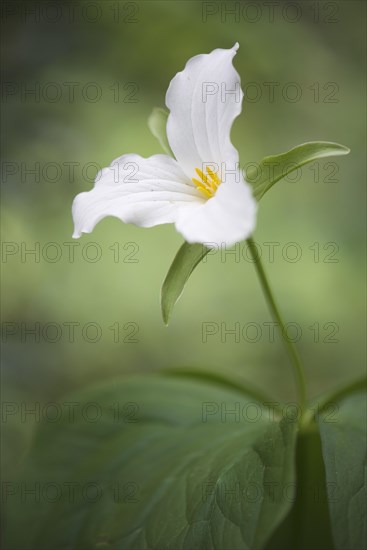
[
  {"x": 326, "y": 484},
  {"x": 157, "y": 123},
  {"x": 329, "y": 470},
  {"x": 180, "y": 464},
  {"x": 186, "y": 259},
  {"x": 227, "y": 378},
  {"x": 343, "y": 436},
  {"x": 274, "y": 168},
  {"x": 323, "y": 401},
  {"x": 307, "y": 526}
]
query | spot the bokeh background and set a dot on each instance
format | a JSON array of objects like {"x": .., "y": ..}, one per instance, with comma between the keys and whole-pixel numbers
[{"x": 53, "y": 141}]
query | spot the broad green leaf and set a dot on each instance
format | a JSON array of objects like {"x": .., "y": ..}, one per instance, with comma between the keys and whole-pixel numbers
[
  {"x": 343, "y": 436},
  {"x": 230, "y": 379},
  {"x": 325, "y": 400},
  {"x": 274, "y": 168},
  {"x": 307, "y": 525},
  {"x": 268, "y": 172},
  {"x": 324, "y": 500},
  {"x": 157, "y": 123},
  {"x": 187, "y": 258},
  {"x": 179, "y": 464}
]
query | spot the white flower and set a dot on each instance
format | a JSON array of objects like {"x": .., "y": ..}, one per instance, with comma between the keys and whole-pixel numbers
[{"x": 202, "y": 190}]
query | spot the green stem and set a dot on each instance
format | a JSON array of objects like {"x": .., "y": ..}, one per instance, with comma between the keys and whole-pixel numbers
[{"x": 290, "y": 347}]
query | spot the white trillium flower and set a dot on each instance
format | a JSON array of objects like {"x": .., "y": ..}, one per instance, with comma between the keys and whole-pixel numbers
[{"x": 202, "y": 191}]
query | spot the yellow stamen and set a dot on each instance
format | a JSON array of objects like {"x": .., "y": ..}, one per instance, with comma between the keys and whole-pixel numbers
[
  {"x": 199, "y": 183},
  {"x": 213, "y": 175},
  {"x": 206, "y": 192},
  {"x": 208, "y": 182},
  {"x": 201, "y": 174}
]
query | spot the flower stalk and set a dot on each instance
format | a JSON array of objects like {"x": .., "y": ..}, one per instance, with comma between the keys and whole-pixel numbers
[{"x": 294, "y": 357}]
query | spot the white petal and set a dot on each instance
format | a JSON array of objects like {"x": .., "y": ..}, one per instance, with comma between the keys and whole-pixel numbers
[
  {"x": 227, "y": 218},
  {"x": 143, "y": 191},
  {"x": 204, "y": 99}
]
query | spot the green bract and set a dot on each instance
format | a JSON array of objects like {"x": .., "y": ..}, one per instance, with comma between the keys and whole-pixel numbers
[
  {"x": 187, "y": 258},
  {"x": 157, "y": 125},
  {"x": 272, "y": 169}
]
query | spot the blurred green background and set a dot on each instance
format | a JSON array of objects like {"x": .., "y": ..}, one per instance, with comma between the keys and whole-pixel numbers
[{"x": 128, "y": 53}]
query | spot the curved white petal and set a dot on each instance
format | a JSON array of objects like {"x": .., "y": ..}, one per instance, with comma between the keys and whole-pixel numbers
[
  {"x": 143, "y": 191},
  {"x": 226, "y": 218},
  {"x": 204, "y": 99}
]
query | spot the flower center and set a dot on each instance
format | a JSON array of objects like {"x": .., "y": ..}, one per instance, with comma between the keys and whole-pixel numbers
[{"x": 208, "y": 183}]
